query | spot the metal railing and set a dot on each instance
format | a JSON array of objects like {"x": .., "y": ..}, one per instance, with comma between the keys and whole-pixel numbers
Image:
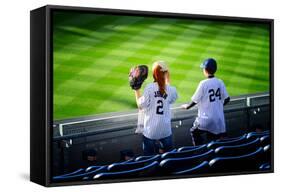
[{"x": 120, "y": 122}]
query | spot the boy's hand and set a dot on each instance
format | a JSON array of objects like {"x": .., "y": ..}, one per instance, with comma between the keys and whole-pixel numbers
[
  {"x": 184, "y": 106},
  {"x": 188, "y": 105}
]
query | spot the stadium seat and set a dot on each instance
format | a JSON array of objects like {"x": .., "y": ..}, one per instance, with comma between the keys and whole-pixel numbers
[
  {"x": 215, "y": 144},
  {"x": 79, "y": 176},
  {"x": 142, "y": 158},
  {"x": 231, "y": 138},
  {"x": 185, "y": 153},
  {"x": 265, "y": 166},
  {"x": 177, "y": 164},
  {"x": 266, "y": 157},
  {"x": 247, "y": 162},
  {"x": 190, "y": 147},
  {"x": 115, "y": 167},
  {"x": 252, "y": 135},
  {"x": 91, "y": 168},
  {"x": 265, "y": 140},
  {"x": 198, "y": 169},
  {"x": 236, "y": 150},
  {"x": 79, "y": 171},
  {"x": 148, "y": 170},
  {"x": 249, "y": 152},
  {"x": 95, "y": 167}
]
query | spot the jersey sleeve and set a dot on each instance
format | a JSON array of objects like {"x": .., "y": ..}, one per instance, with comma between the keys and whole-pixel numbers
[
  {"x": 197, "y": 96},
  {"x": 144, "y": 100},
  {"x": 224, "y": 92},
  {"x": 174, "y": 95}
]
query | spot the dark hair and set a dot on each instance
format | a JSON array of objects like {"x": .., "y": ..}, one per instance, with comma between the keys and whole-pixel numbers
[{"x": 211, "y": 71}]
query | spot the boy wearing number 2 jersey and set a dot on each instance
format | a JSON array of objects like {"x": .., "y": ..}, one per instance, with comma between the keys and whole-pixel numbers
[
  {"x": 210, "y": 97},
  {"x": 156, "y": 103}
]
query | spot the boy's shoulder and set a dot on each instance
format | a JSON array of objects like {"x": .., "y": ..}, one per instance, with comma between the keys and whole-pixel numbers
[
  {"x": 220, "y": 80},
  {"x": 210, "y": 80},
  {"x": 205, "y": 83}
]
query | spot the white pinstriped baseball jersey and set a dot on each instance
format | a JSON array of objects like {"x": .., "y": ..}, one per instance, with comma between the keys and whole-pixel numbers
[
  {"x": 157, "y": 112},
  {"x": 210, "y": 96}
]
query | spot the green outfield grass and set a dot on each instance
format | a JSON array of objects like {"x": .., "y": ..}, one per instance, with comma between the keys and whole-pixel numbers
[{"x": 93, "y": 54}]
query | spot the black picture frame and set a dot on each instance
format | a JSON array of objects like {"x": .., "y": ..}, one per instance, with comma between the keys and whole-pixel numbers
[{"x": 41, "y": 83}]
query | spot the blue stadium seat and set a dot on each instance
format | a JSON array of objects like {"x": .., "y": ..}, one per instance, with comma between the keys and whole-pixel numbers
[
  {"x": 185, "y": 153},
  {"x": 79, "y": 171},
  {"x": 239, "y": 140},
  {"x": 79, "y": 176},
  {"x": 231, "y": 138},
  {"x": 115, "y": 167},
  {"x": 267, "y": 148},
  {"x": 146, "y": 157},
  {"x": 247, "y": 162},
  {"x": 187, "y": 148},
  {"x": 95, "y": 167},
  {"x": 266, "y": 157},
  {"x": 265, "y": 140},
  {"x": 148, "y": 170},
  {"x": 177, "y": 164},
  {"x": 236, "y": 150},
  {"x": 265, "y": 166},
  {"x": 252, "y": 135},
  {"x": 91, "y": 168},
  {"x": 249, "y": 152},
  {"x": 197, "y": 169}
]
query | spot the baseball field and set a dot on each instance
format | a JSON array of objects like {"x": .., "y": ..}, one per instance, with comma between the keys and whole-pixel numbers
[{"x": 93, "y": 55}]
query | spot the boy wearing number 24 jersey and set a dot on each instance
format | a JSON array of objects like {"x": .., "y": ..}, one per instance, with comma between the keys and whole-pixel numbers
[{"x": 210, "y": 97}]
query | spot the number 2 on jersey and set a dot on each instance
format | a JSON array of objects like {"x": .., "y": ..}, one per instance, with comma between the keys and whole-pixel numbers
[
  {"x": 159, "y": 108},
  {"x": 213, "y": 94}
]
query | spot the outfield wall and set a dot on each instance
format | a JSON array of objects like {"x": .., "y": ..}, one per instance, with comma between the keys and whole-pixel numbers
[{"x": 109, "y": 134}]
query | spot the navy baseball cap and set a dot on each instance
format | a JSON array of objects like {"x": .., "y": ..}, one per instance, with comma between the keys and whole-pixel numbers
[{"x": 210, "y": 65}]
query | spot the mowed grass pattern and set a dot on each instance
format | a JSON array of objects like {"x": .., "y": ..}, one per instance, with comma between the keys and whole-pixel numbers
[{"x": 93, "y": 54}]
